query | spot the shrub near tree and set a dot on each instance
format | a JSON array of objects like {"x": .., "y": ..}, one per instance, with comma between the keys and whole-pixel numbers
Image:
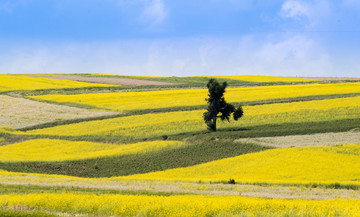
[{"x": 217, "y": 106}]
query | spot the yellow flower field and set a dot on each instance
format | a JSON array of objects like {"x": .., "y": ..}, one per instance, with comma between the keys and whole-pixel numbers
[
  {"x": 60, "y": 150},
  {"x": 181, "y": 205},
  {"x": 157, "y": 124},
  {"x": 258, "y": 78},
  {"x": 9, "y": 83},
  {"x": 288, "y": 165},
  {"x": 128, "y": 101}
]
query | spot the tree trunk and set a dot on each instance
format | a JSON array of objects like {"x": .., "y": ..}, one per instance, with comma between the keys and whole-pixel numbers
[{"x": 214, "y": 123}]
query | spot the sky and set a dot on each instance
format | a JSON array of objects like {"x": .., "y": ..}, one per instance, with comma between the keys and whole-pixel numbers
[{"x": 181, "y": 38}]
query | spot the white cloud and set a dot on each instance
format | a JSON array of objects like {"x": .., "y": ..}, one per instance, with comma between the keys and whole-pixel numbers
[
  {"x": 295, "y": 9},
  {"x": 154, "y": 11},
  {"x": 150, "y": 12},
  {"x": 281, "y": 54},
  {"x": 294, "y": 55},
  {"x": 310, "y": 12}
]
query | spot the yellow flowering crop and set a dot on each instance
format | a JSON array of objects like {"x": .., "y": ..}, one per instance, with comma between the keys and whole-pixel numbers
[
  {"x": 157, "y": 124},
  {"x": 127, "y": 101},
  {"x": 181, "y": 205},
  {"x": 9, "y": 83},
  {"x": 261, "y": 78},
  {"x": 287, "y": 165},
  {"x": 59, "y": 150}
]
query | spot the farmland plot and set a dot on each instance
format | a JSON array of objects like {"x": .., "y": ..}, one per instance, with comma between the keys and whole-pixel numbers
[
  {"x": 170, "y": 123},
  {"x": 179, "y": 205},
  {"x": 326, "y": 164},
  {"x": 10, "y": 83},
  {"x": 130, "y": 101},
  {"x": 61, "y": 150},
  {"x": 258, "y": 78},
  {"x": 20, "y": 112}
]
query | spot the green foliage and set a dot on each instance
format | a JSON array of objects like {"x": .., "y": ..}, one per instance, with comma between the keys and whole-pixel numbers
[
  {"x": 23, "y": 213},
  {"x": 231, "y": 181},
  {"x": 217, "y": 104}
]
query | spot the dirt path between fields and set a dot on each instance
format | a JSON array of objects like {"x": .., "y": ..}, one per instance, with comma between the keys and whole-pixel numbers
[
  {"x": 103, "y": 80},
  {"x": 319, "y": 139}
]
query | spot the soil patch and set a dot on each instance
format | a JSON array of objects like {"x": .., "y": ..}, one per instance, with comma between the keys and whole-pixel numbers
[
  {"x": 319, "y": 139},
  {"x": 19, "y": 112}
]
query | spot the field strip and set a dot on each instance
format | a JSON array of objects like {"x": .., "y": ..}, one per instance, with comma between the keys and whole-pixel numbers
[
  {"x": 180, "y": 205},
  {"x": 19, "y": 113},
  {"x": 61, "y": 150},
  {"x": 11, "y": 83},
  {"x": 174, "y": 188},
  {"x": 334, "y": 78},
  {"x": 103, "y": 80},
  {"x": 255, "y": 78},
  {"x": 340, "y": 163},
  {"x": 130, "y": 101},
  {"x": 171, "y": 123},
  {"x": 318, "y": 139}
]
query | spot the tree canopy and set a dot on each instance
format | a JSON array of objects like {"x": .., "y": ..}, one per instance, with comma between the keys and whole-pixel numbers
[{"x": 217, "y": 106}]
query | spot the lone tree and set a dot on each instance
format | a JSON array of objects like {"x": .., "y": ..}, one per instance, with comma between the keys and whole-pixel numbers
[{"x": 217, "y": 106}]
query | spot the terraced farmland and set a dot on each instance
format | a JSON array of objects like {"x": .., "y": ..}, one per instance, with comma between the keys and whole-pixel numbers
[
  {"x": 147, "y": 152},
  {"x": 146, "y": 100}
]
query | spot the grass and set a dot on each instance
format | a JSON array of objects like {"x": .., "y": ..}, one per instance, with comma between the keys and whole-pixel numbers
[{"x": 6, "y": 212}]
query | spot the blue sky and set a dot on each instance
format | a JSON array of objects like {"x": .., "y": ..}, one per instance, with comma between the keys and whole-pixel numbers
[{"x": 181, "y": 38}]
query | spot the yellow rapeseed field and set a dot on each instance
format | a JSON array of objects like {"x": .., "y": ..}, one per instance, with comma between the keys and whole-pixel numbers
[
  {"x": 325, "y": 164},
  {"x": 181, "y": 205},
  {"x": 9, "y": 83},
  {"x": 261, "y": 78},
  {"x": 60, "y": 150},
  {"x": 127, "y": 101},
  {"x": 157, "y": 124}
]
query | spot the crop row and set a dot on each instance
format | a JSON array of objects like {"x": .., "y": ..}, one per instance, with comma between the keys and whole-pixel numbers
[
  {"x": 186, "y": 205},
  {"x": 130, "y": 101}
]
